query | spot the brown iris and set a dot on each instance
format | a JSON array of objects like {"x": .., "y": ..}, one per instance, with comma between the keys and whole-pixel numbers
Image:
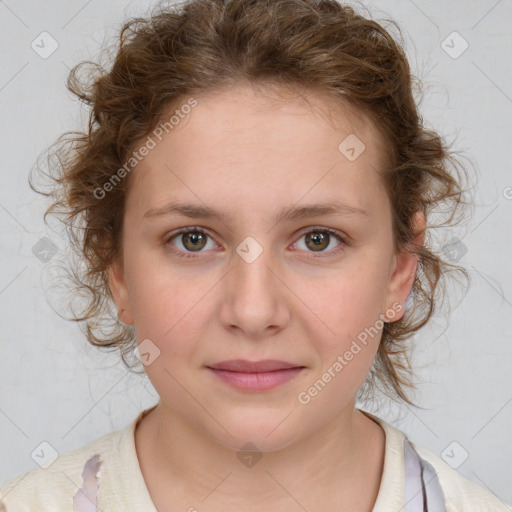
[
  {"x": 196, "y": 239},
  {"x": 319, "y": 239}
]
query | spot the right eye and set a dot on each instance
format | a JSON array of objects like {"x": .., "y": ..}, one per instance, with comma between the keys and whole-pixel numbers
[{"x": 191, "y": 239}]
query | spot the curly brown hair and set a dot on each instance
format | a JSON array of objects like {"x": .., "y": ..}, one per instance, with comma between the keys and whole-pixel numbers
[{"x": 208, "y": 45}]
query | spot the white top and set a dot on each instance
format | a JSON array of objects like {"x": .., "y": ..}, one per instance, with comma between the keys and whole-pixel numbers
[{"x": 113, "y": 481}]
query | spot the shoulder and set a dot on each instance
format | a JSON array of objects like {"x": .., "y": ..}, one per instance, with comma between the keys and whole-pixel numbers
[
  {"x": 56, "y": 486},
  {"x": 461, "y": 493}
]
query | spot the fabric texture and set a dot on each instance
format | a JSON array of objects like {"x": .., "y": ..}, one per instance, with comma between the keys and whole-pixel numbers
[{"x": 105, "y": 476}]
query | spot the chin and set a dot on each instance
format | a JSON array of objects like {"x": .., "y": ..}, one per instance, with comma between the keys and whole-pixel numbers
[{"x": 267, "y": 432}]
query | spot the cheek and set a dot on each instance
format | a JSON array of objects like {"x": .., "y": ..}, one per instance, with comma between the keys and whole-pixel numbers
[
  {"x": 347, "y": 302},
  {"x": 166, "y": 302},
  {"x": 346, "y": 328},
  {"x": 345, "y": 341},
  {"x": 169, "y": 312}
]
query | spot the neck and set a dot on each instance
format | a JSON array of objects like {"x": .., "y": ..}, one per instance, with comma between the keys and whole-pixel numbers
[{"x": 181, "y": 464}]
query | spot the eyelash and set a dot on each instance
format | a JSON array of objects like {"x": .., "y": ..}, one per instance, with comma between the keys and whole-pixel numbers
[{"x": 314, "y": 229}]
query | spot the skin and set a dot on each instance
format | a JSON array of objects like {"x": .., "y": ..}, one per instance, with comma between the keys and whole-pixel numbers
[{"x": 247, "y": 155}]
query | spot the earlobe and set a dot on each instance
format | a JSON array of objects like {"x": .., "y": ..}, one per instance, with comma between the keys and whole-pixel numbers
[
  {"x": 406, "y": 264},
  {"x": 119, "y": 291}
]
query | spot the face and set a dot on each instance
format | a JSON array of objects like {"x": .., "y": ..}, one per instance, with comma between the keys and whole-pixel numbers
[{"x": 295, "y": 264}]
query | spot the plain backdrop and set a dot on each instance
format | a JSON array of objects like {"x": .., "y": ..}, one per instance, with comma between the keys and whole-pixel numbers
[{"x": 56, "y": 388}]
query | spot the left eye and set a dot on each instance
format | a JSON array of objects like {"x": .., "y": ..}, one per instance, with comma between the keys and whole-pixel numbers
[
  {"x": 319, "y": 239},
  {"x": 193, "y": 240}
]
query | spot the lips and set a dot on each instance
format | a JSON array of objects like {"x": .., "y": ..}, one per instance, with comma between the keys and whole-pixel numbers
[
  {"x": 244, "y": 366},
  {"x": 255, "y": 376}
]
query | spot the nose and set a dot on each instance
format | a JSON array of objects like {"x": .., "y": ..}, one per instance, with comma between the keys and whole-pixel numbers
[{"x": 255, "y": 298}]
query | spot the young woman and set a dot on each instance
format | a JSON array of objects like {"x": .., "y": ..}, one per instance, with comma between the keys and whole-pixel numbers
[{"x": 253, "y": 195}]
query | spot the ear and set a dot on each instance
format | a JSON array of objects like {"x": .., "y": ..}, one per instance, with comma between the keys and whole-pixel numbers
[
  {"x": 404, "y": 273},
  {"x": 119, "y": 291}
]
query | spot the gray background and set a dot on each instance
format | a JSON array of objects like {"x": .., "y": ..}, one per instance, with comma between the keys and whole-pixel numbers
[{"x": 56, "y": 388}]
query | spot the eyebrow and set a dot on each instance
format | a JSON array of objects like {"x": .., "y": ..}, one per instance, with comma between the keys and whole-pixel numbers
[{"x": 197, "y": 211}]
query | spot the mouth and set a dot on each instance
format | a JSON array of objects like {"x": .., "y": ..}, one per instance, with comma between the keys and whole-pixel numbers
[{"x": 255, "y": 375}]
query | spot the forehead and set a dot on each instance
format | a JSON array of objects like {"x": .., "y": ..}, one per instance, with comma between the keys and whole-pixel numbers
[
  {"x": 281, "y": 115},
  {"x": 254, "y": 143}
]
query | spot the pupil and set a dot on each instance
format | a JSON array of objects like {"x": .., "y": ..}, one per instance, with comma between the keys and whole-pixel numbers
[
  {"x": 194, "y": 238},
  {"x": 319, "y": 239}
]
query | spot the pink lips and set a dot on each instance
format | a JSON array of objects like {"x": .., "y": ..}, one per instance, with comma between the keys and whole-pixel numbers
[{"x": 255, "y": 375}]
